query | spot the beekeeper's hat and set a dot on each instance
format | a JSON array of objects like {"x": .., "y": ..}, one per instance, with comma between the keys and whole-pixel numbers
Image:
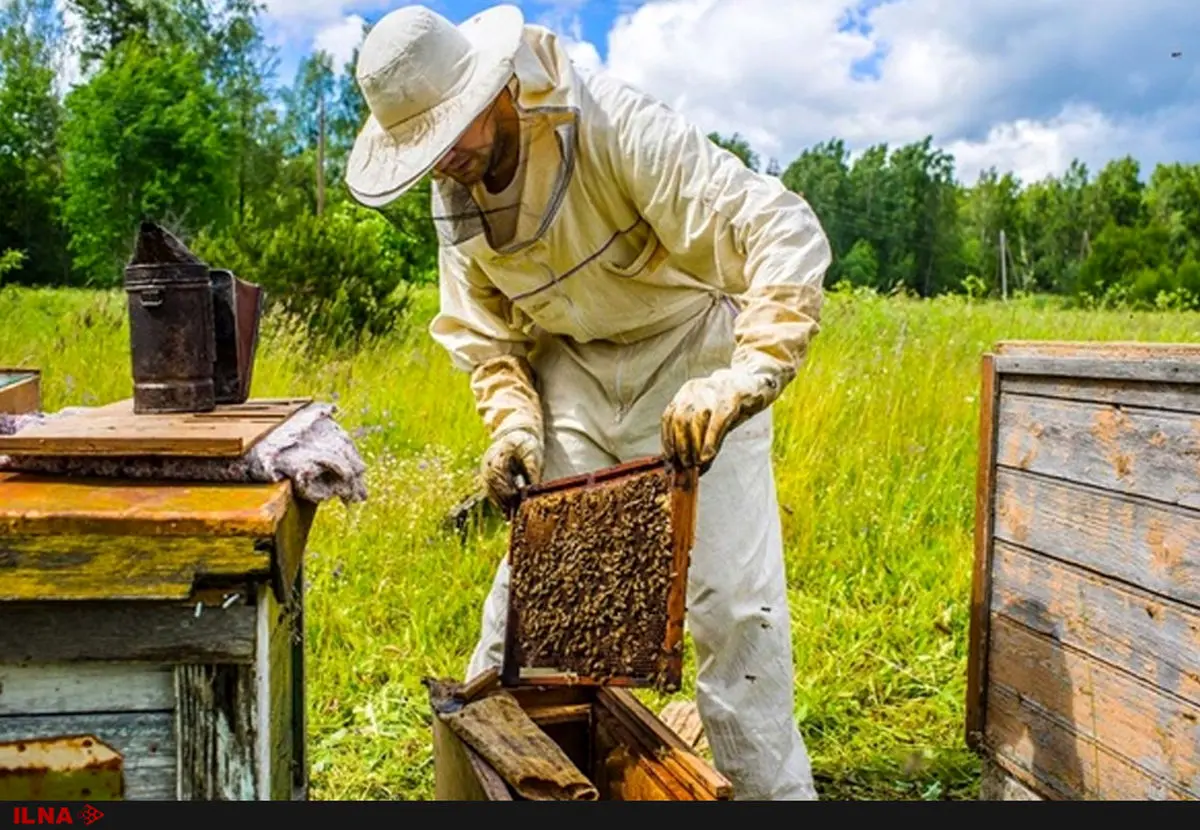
[{"x": 425, "y": 80}]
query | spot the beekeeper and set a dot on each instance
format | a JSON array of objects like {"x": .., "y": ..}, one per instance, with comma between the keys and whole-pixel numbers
[{"x": 617, "y": 286}]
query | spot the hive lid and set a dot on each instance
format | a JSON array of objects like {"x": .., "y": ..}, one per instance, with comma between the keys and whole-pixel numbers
[{"x": 598, "y": 578}]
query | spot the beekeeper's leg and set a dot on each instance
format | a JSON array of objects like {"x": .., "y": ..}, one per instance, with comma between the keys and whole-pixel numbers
[
  {"x": 737, "y": 591},
  {"x": 738, "y": 617}
]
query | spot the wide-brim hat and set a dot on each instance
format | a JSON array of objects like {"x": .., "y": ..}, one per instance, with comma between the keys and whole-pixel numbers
[{"x": 425, "y": 80}]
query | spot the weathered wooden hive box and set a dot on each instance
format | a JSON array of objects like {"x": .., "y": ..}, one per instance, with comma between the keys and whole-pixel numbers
[
  {"x": 1084, "y": 669},
  {"x": 597, "y": 586},
  {"x": 20, "y": 391},
  {"x": 626, "y": 752},
  {"x": 151, "y": 640}
]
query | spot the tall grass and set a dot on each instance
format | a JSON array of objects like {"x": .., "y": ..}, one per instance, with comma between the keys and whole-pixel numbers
[{"x": 875, "y": 461}]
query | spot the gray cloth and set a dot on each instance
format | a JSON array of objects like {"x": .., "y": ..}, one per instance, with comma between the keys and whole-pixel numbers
[{"x": 310, "y": 448}]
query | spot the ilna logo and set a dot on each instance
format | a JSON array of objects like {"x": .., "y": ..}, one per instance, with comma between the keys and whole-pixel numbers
[{"x": 55, "y": 815}]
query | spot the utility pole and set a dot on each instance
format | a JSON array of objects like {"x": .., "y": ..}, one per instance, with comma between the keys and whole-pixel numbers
[
  {"x": 1003, "y": 268},
  {"x": 321, "y": 155}
]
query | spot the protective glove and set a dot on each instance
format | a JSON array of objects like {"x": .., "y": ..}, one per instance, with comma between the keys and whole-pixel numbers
[
  {"x": 704, "y": 410},
  {"x": 514, "y": 460}
]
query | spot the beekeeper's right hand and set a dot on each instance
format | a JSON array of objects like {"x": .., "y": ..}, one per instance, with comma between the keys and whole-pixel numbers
[{"x": 512, "y": 456}]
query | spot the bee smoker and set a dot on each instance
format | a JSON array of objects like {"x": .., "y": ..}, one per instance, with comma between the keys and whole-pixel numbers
[{"x": 192, "y": 331}]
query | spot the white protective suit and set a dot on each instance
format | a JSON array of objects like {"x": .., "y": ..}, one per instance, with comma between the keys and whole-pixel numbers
[{"x": 630, "y": 256}]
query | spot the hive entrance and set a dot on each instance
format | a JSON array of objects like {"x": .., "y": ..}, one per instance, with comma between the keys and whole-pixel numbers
[{"x": 598, "y": 570}]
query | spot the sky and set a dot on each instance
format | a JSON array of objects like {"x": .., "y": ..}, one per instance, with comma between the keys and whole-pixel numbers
[{"x": 1021, "y": 85}]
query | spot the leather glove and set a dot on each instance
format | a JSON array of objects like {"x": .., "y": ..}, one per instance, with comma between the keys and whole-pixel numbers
[
  {"x": 513, "y": 461},
  {"x": 704, "y": 410}
]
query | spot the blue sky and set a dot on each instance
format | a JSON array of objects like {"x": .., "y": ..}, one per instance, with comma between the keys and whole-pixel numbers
[
  {"x": 1021, "y": 85},
  {"x": 594, "y": 19}
]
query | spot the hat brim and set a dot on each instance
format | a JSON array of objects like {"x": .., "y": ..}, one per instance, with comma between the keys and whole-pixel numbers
[{"x": 384, "y": 164}]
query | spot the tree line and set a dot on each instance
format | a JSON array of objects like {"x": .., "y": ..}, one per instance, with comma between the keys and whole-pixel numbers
[{"x": 177, "y": 117}]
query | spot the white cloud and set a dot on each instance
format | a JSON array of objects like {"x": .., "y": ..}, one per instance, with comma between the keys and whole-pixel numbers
[
  {"x": 69, "y": 71},
  {"x": 1021, "y": 84},
  {"x": 316, "y": 11},
  {"x": 340, "y": 40}
]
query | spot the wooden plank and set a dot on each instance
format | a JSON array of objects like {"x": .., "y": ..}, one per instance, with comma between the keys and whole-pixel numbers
[
  {"x": 996, "y": 784},
  {"x": 1144, "y": 543},
  {"x": 1151, "y": 638},
  {"x": 36, "y": 504},
  {"x": 1099, "y": 349},
  {"x": 59, "y": 568},
  {"x": 85, "y": 687},
  {"x": 299, "y": 702},
  {"x": 146, "y": 740},
  {"x": 980, "y": 591},
  {"x": 1155, "y": 731},
  {"x": 1164, "y": 370},
  {"x": 218, "y": 728},
  {"x": 152, "y": 632},
  {"x": 1150, "y": 453},
  {"x": 1063, "y": 763},
  {"x": 279, "y": 690},
  {"x": 290, "y": 539},
  {"x": 684, "y": 506},
  {"x": 1179, "y": 397},
  {"x": 697, "y": 777},
  {"x": 548, "y": 715},
  {"x": 229, "y": 431},
  {"x": 264, "y": 625},
  {"x": 627, "y": 771}
]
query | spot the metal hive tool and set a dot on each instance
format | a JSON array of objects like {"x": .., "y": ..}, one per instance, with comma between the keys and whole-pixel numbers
[{"x": 598, "y": 578}]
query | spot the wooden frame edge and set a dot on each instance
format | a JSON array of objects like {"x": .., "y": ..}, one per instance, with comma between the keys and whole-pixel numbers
[
  {"x": 683, "y": 514},
  {"x": 976, "y": 703}
]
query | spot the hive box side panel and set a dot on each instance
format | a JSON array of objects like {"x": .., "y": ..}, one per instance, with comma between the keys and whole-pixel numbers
[
  {"x": 217, "y": 727},
  {"x": 981, "y": 574},
  {"x": 282, "y": 689},
  {"x": 148, "y": 632},
  {"x": 129, "y": 707},
  {"x": 20, "y": 391},
  {"x": 460, "y": 774},
  {"x": 240, "y": 739},
  {"x": 1088, "y": 583}
]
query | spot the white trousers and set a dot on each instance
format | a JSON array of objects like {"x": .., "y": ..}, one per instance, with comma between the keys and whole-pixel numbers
[{"x": 603, "y": 406}]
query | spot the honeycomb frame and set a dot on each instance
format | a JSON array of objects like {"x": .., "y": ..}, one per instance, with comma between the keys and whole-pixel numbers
[{"x": 645, "y": 647}]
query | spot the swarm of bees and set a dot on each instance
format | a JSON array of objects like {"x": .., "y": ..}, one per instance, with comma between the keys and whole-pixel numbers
[{"x": 590, "y": 574}]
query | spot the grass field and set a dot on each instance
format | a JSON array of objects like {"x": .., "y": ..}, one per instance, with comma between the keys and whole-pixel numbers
[{"x": 875, "y": 460}]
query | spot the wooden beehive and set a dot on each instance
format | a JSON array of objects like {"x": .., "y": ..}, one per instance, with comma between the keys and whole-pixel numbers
[
  {"x": 613, "y": 739},
  {"x": 1084, "y": 667},
  {"x": 162, "y": 621},
  {"x": 20, "y": 391},
  {"x": 598, "y": 578}
]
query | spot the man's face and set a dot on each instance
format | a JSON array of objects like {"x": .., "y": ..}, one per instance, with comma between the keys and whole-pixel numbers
[{"x": 469, "y": 159}]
